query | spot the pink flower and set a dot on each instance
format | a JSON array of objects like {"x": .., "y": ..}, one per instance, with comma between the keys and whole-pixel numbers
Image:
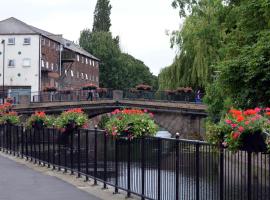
[
  {"x": 267, "y": 109},
  {"x": 241, "y": 129},
  {"x": 233, "y": 125},
  {"x": 236, "y": 135},
  {"x": 145, "y": 110},
  {"x": 151, "y": 115},
  {"x": 224, "y": 144},
  {"x": 258, "y": 109},
  {"x": 247, "y": 122},
  {"x": 228, "y": 121}
]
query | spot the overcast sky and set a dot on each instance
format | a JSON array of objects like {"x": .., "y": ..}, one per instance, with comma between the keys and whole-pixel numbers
[{"x": 141, "y": 24}]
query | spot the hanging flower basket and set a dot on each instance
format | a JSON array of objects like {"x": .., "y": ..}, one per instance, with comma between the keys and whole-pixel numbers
[
  {"x": 39, "y": 120},
  {"x": 89, "y": 86},
  {"x": 144, "y": 87},
  {"x": 242, "y": 130},
  {"x": 50, "y": 89},
  {"x": 131, "y": 123},
  {"x": 10, "y": 118}
]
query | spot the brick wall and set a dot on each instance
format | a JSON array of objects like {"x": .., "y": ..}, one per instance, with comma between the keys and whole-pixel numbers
[
  {"x": 50, "y": 62},
  {"x": 82, "y": 71}
]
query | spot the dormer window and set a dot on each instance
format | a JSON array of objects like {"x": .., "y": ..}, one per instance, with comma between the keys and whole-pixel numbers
[
  {"x": 27, "y": 41},
  {"x": 11, "y": 41}
]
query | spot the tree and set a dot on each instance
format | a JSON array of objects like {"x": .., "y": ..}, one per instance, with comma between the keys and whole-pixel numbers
[{"x": 102, "y": 21}]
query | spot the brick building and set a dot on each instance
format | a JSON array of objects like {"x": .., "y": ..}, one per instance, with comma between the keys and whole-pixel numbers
[{"x": 35, "y": 59}]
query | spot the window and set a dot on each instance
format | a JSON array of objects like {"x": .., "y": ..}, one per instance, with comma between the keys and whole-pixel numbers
[
  {"x": 52, "y": 66},
  {"x": 47, "y": 64},
  {"x": 78, "y": 75},
  {"x": 42, "y": 63},
  {"x": 54, "y": 45},
  {"x": 90, "y": 62},
  {"x": 26, "y": 62},
  {"x": 96, "y": 79},
  {"x": 65, "y": 72},
  {"x": 56, "y": 67},
  {"x": 82, "y": 59},
  {"x": 71, "y": 72},
  {"x": 49, "y": 43},
  {"x": 86, "y": 76},
  {"x": 11, "y": 41},
  {"x": 43, "y": 41},
  {"x": 78, "y": 58},
  {"x": 93, "y": 62},
  {"x": 86, "y": 61},
  {"x": 11, "y": 63},
  {"x": 27, "y": 41},
  {"x": 82, "y": 75}
]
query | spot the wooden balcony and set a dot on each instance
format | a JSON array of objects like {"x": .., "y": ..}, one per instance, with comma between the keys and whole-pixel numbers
[{"x": 68, "y": 56}]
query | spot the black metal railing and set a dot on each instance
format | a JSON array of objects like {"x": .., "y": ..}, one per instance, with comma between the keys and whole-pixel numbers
[
  {"x": 84, "y": 95},
  {"x": 151, "y": 168}
]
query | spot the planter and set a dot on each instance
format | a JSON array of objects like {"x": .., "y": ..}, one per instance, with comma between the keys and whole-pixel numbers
[
  {"x": 63, "y": 138},
  {"x": 254, "y": 142},
  {"x": 38, "y": 124}
]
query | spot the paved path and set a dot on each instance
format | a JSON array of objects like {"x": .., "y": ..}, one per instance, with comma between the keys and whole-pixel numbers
[{"x": 18, "y": 182}]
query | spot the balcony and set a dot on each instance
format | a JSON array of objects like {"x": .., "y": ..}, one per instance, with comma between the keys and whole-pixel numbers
[{"x": 68, "y": 56}]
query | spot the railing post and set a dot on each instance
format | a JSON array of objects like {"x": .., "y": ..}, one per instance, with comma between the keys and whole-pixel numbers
[
  {"x": 159, "y": 167},
  {"x": 31, "y": 144},
  {"x": 143, "y": 165},
  {"x": 17, "y": 140},
  {"x": 87, "y": 156},
  {"x": 71, "y": 153},
  {"x": 34, "y": 146},
  {"x": 1, "y": 133},
  {"x": 43, "y": 146},
  {"x": 95, "y": 158},
  {"x": 116, "y": 167},
  {"x": 249, "y": 192},
  {"x": 59, "y": 151},
  {"x": 197, "y": 171},
  {"x": 49, "y": 145},
  {"x": 22, "y": 141},
  {"x": 65, "y": 157},
  {"x": 105, "y": 161},
  {"x": 177, "y": 170},
  {"x": 53, "y": 143},
  {"x": 39, "y": 148},
  {"x": 221, "y": 168},
  {"x": 79, "y": 154},
  {"x": 26, "y": 144},
  {"x": 128, "y": 169}
]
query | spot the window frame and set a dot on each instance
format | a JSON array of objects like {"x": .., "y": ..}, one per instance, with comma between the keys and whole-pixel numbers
[{"x": 26, "y": 59}]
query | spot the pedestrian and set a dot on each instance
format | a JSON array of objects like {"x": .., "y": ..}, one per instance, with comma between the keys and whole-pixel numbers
[
  {"x": 198, "y": 97},
  {"x": 90, "y": 96}
]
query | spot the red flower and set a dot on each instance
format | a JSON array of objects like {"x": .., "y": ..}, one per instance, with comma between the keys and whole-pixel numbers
[
  {"x": 240, "y": 118},
  {"x": 268, "y": 113},
  {"x": 228, "y": 121},
  {"x": 250, "y": 112},
  {"x": 236, "y": 135}
]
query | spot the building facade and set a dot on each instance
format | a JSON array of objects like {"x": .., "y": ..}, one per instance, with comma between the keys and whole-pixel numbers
[{"x": 32, "y": 60}]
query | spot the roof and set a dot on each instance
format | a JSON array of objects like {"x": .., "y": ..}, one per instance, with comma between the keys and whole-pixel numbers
[{"x": 12, "y": 26}]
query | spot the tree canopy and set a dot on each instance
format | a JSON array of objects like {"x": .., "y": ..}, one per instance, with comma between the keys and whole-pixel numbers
[
  {"x": 224, "y": 47},
  {"x": 102, "y": 20},
  {"x": 117, "y": 70}
]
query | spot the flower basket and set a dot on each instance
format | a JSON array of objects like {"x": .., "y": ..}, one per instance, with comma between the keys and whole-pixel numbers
[
  {"x": 50, "y": 89},
  {"x": 10, "y": 118},
  {"x": 144, "y": 87},
  {"x": 131, "y": 123},
  {"x": 242, "y": 130},
  {"x": 254, "y": 142},
  {"x": 39, "y": 120}
]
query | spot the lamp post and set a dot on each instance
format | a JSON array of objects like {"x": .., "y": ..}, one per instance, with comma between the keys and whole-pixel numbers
[{"x": 3, "y": 89}]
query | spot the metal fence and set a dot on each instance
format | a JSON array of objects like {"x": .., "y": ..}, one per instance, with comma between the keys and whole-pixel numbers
[{"x": 151, "y": 168}]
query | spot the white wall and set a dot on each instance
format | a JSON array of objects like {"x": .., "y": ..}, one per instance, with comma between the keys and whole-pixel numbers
[{"x": 29, "y": 76}]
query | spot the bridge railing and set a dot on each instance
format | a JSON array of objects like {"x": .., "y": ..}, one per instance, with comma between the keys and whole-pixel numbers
[
  {"x": 27, "y": 97},
  {"x": 151, "y": 168}
]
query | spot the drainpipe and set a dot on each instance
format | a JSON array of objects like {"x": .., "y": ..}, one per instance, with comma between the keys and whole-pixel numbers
[{"x": 4, "y": 49}]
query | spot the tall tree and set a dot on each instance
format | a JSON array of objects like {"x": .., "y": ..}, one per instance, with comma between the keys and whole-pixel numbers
[{"x": 102, "y": 21}]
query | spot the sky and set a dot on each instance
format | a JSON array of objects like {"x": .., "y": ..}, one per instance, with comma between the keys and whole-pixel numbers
[{"x": 141, "y": 24}]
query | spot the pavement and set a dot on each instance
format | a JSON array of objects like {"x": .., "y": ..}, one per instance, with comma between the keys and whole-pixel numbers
[{"x": 19, "y": 182}]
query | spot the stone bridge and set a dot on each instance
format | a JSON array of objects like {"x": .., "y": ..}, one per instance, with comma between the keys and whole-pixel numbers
[{"x": 185, "y": 118}]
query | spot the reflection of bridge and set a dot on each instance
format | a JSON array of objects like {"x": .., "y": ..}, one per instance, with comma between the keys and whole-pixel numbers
[{"x": 185, "y": 118}]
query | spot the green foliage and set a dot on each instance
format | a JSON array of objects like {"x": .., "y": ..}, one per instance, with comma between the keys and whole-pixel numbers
[
  {"x": 75, "y": 117},
  {"x": 228, "y": 40},
  {"x": 102, "y": 123},
  {"x": 40, "y": 119},
  {"x": 102, "y": 21},
  {"x": 11, "y": 118},
  {"x": 117, "y": 70},
  {"x": 131, "y": 124}
]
